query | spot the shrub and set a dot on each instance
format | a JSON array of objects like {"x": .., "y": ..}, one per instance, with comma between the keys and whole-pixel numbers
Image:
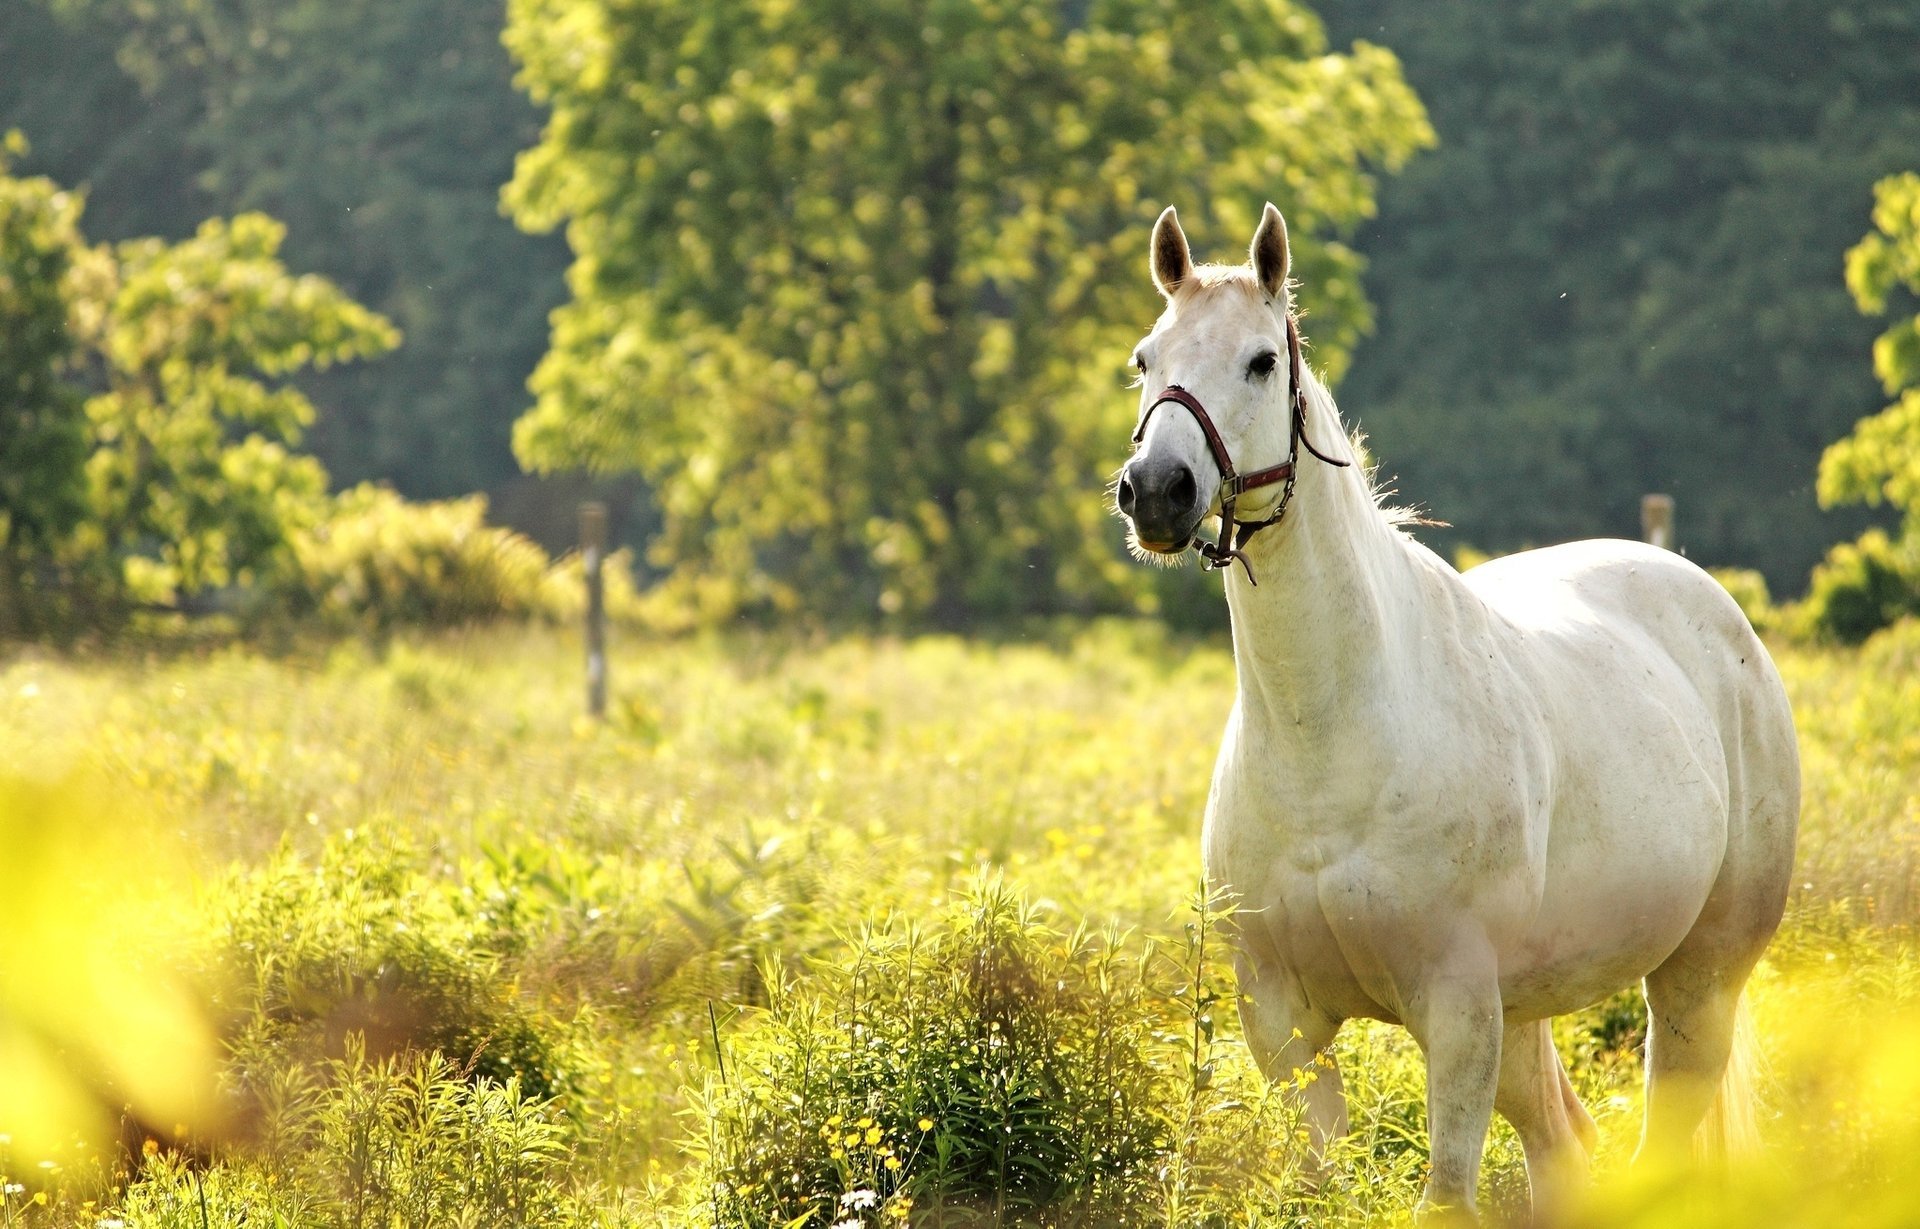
[
  {"x": 991, "y": 1067},
  {"x": 365, "y": 949},
  {"x": 396, "y": 1141},
  {"x": 1861, "y": 587},
  {"x": 380, "y": 560}
]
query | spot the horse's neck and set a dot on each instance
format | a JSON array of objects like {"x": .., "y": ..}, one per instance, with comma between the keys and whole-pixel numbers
[{"x": 1334, "y": 577}]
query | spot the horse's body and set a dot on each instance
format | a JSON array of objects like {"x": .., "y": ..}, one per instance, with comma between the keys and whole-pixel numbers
[{"x": 1465, "y": 803}]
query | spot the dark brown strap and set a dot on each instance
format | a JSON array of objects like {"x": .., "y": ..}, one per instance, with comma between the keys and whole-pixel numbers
[
  {"x": 1180, "y": 396},
  {"x": 1264, "y": 477}
]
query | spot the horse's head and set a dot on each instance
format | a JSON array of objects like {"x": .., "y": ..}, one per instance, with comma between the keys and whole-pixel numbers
[{"x": 1222, "y": 348}]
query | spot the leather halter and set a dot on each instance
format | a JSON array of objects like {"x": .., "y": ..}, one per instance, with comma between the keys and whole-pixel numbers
[{"x": 1234, "y": 533}]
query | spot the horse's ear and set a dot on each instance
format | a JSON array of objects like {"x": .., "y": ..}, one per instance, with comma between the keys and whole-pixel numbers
[
  {"x": 1172, "y": 262},
  {"x": 1269, "y": 253}
]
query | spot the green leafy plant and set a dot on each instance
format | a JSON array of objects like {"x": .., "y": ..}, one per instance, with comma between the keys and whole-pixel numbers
[
  {"x": 360, "y": 949},
  {"x": 984, "y": 1068},
  {"x": 192, "y": 482},
  {"x": 370, "y": 1143},
  {"x": 378, "y": 561},
  {"x": 43, "y": 429},
  {"x": 1864, "y": 585}
]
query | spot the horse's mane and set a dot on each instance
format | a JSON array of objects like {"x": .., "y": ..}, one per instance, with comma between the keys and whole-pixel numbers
[{"x": 1367, "y": 466}]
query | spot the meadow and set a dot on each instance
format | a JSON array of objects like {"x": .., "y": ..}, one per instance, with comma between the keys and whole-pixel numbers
[{"x": 838, "y": 932}]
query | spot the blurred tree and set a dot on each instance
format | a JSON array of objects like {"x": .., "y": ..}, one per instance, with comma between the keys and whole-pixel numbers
[
  {"x": 379, "y": 132},
  {"x": 92, "y": 126},
  {"x": 853, "y": 283},
  {"x": 1880, "y": 460},
  {"x": 175, "y": 476},
  {"x": 191, "y": 485},
  {"x": 1617, "y": 276},
  {"x": 43, "y": 428}
]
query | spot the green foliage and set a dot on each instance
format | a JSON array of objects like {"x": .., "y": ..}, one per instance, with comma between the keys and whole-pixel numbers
[
  {"x": 359, "y": 1142},
  {"x": 1616, "y": 274},
  {"x": 1861, "y": 587},
  {"x": 851, "y": 285},
  {"x": 175, "y": 479},
  {"x": 43, "y": 430},
  {"x": 378, "y": 561},
  {"x": 1865, "y": 585},
  {"x": 1880, "y": 461},
  {"x": 379, "y": 132},
  {"x": 192, "y": 485},
  {"x": 986, "y": 1066},
  {"x": 361, "y": 948},
  {"x": 91, "y": 126}
]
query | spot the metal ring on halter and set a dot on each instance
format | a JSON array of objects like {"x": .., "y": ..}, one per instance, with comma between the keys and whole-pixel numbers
[{"x": 1234, "y": 534}]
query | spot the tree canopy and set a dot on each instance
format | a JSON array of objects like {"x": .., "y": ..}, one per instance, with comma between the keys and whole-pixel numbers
[
  {"x": 377, "y": 131},
  {"x": 1880, "y": 460},
  {"x": 193, "y": 486},
  {"x": 43, "y": 432},
  {"x": 854, "y": 284},
  {"x": 145, "y": 406},
  {"x": 1618, "y": 272}
]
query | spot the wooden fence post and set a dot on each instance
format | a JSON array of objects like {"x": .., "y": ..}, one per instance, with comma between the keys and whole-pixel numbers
[
  {"x": 1656, "y": 520},
  {"x": 593, "y": 549}
]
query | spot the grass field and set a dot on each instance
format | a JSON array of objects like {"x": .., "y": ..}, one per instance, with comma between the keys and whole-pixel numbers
[{"x": 806, "y": 933}]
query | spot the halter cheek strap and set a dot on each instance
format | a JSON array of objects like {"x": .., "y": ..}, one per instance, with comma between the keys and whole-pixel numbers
[{"x": 1234, "y": 533}]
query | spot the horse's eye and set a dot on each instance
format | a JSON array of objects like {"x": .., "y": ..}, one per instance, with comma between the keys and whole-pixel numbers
[
  {"x": 1140, "y": 364},
  {"x": 1262, "y": 365}
]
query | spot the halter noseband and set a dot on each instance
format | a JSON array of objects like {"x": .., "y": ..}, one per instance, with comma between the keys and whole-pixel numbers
[{"x": 1234, "y": 534}]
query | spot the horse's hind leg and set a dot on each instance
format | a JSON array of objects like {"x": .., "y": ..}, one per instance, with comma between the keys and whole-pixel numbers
[
  {"x": 1691, "y": 1014},
  {"x": 1693, "y": 998},
  {"x": 1535, "y": 1095}
]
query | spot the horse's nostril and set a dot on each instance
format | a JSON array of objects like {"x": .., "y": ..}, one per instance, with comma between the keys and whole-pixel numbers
[
  {"x": 1181, "y": 492},
  {"x": 1124, "y": 496}
]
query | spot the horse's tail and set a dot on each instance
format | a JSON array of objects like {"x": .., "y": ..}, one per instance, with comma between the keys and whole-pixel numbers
[{"x": 1732, "y": 1124}]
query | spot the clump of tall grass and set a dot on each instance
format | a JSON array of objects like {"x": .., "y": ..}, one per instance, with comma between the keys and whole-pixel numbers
[
  {"x": 366, "y": 1143},
  {"x": 986, "y": 1068},
  {"x": 362, "y": 946}
]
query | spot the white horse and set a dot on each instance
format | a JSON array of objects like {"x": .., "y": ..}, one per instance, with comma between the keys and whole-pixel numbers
[{"x": 1464, "y": 803}]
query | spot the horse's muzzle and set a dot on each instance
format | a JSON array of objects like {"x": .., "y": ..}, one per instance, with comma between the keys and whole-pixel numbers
[{"x": 1162, "y": 499}]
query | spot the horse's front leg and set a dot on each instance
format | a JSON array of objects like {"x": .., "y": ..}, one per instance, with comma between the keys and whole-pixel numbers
[
  {"x": 1455, "y": 1016},
  {"x": 1290, "y": 1042}
]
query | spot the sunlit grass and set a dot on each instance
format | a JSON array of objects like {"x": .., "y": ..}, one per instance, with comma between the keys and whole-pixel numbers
[{"x": 424, "y": 847}]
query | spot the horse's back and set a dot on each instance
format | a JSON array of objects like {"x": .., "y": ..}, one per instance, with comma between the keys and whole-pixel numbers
[
  {"x": 1666, "y": 705},
  {"x": 1641, "y": 607}
]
